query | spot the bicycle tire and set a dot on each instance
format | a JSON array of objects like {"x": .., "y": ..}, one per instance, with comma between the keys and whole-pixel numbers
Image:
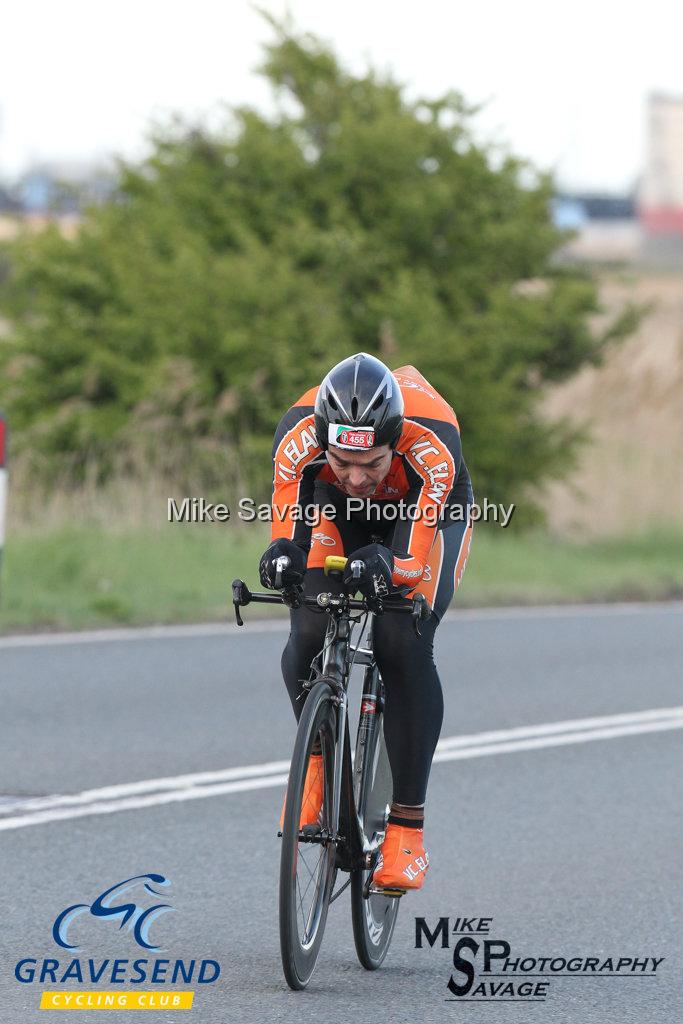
[
  {"x": 373, "y": 918},
  {"x": 302, "y": 929}
]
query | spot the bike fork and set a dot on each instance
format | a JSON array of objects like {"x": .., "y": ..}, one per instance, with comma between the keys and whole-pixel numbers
[
  {"x": 338, "y": 762},
  {"x": 334, "y": 665}
]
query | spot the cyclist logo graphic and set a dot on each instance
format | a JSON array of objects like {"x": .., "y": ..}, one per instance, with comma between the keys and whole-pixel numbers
[
  {"x": 324, "y": 539},
  {"x": 139, "y": 919},
  {"x": 380, "y": 586}
]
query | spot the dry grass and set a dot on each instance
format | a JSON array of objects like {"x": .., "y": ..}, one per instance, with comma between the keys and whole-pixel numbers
[
  {"x": 629, "y": 478},
  {"x": 117, "y": 507}
]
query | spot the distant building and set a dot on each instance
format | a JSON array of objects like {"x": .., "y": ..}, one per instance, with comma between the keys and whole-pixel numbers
[
  {"x": 661, "y": 193},
  {"x": 8, "y": 202},
  {"x": 605, "y": 226},
  {"x": 568, "y": 213},
  {"x": 574, "y": 210},
  {"x": 51, "y": 189}
]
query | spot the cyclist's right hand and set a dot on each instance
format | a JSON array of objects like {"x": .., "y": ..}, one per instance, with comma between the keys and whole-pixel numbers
[{"x": 293, "y": 574}]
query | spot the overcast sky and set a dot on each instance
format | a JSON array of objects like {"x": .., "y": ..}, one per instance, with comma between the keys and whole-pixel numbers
[{"x": 565, "y": 83}]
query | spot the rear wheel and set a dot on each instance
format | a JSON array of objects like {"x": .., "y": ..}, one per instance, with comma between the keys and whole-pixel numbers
[
  {"x": 307, "y": 862},
  {"x": 373, "y": 922},
  {"x": 373, "y": 916}
]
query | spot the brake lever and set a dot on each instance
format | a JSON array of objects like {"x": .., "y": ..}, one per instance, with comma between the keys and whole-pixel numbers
[
  {"x": 241, "y": 595},
  {"x": 357, "y": 569},
  {"x": 420, "y": 613},
  {"x": 281, "y": 563}
]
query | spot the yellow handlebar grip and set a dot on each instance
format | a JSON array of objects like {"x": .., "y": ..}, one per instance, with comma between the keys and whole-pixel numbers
[{"x": 335, "y": 563}]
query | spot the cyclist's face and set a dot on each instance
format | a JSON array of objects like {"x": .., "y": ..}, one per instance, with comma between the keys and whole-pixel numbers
[{"x": 359, "y": 473}]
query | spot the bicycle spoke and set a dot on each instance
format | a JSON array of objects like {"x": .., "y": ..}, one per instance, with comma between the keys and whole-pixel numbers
[
  {"x": 310, "y": 881},
  {"x": 303, "y": 919},
  {"x": 313, "y": 879},
  {"x": 307, "y": 918},
  {"x": 302, "y": 858}
]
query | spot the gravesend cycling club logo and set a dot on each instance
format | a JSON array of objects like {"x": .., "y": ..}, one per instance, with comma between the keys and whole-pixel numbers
[
  {"x": 138, "y": 919},
  {"x": 484, "y": 969},
  {"x": 131, "y": 907}
]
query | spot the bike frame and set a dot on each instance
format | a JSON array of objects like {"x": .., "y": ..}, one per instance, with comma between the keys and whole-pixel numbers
[
  {"x": 339, "y": 657},
  {"x": 350, "y": 840}
]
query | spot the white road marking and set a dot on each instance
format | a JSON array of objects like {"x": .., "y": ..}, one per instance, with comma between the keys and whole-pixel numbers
[
  {"x": 558, "y": 741},
  {"x": 199, "y": 785},
  {"x": 126, "y": 789},
  {"x": 136, "y": 802},
  {"x": 548, "y": 728},
  {"x": 229, "y": 629}
]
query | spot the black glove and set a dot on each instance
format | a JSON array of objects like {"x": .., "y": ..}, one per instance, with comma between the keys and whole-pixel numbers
[
  {"x": 379, "y": 565},
  {"x": 296, "y": 569}
]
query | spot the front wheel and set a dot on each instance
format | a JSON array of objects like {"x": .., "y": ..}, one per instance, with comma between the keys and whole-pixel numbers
[{"x": 307, "y": 861}]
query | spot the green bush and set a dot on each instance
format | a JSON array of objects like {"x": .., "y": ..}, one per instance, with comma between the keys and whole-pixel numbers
[{"x": 233, "y": 268}]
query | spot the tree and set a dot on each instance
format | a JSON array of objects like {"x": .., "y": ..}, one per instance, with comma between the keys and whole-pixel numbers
[{"x": 231, "y": 269}]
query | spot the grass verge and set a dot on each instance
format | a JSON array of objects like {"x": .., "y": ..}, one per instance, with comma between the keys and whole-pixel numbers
[{"x": 83, "y": 575}]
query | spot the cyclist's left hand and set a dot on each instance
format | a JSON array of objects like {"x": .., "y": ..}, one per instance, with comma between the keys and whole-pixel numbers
[{"x": 379, "y": 565}]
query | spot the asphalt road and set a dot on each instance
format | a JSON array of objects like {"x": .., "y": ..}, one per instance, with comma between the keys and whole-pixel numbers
[{"x": 567, "y": 836}]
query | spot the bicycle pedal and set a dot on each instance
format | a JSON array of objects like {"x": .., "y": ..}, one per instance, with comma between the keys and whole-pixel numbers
[
  {"x": 391, "y": 893},
  {"x": 307, "y": 834}
]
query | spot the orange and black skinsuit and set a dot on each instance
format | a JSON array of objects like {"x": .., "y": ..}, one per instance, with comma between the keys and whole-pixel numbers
[{"x": 430, "y": 547}]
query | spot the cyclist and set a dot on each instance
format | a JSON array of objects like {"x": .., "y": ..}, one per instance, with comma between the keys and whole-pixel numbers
[{"x": 368, "y": 433}]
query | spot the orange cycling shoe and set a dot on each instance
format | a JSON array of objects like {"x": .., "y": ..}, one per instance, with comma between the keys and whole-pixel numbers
[
  {"x": 403, "y": 860},
  {"x": 312, "y": 802}
]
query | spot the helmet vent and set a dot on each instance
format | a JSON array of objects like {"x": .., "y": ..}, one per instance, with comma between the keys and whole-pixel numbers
[{"x": 359, "y": 392}]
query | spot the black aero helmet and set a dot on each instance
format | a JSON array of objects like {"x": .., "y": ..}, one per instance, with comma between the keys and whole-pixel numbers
[{"x": 359, "y": 405}]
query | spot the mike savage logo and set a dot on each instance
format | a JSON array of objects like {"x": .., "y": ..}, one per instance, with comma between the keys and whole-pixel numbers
[{"x": 484, "y": 967}]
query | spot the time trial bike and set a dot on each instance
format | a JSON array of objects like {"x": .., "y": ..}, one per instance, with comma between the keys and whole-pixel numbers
[{"x": 357, "y": 791}]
